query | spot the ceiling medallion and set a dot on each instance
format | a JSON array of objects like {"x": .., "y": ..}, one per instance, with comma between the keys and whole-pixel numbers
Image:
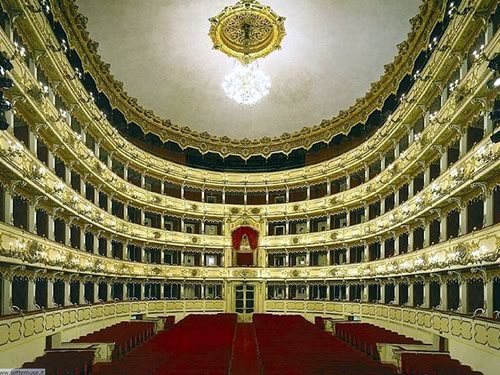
[{"x": 246, "y": 32}]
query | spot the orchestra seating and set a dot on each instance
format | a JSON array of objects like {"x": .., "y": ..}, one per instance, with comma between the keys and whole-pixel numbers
[
  {"x": 125, "y": 335},
  {"x": 199, "y": 344},
  {"x": 291, "y": 345},
  {"x": 433, "y": 363},
  {"x": 64, "y": 362},
  {"x": 365, "y": 337}
]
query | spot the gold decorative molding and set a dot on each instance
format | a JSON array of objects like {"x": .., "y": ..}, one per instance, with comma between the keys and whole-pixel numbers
[
  {"x": 75, "y": 26},
  {"x": 157, "y": 167},
  {"x": 247, "y": 30},
  {"x": 478, "y": 249}
]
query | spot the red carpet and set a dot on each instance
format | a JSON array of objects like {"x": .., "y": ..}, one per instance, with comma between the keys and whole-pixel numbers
[{"x": 245, "y": 355}]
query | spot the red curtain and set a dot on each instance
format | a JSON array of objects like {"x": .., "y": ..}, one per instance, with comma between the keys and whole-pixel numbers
[
  {"x": 244, "y": 259},
  {"x": 252, "y": 234}
]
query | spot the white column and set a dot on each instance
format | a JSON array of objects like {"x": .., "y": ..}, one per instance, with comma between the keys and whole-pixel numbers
[
  {"x": 31, "y": 218},
  {"x": 443, "y": 294},
  {"x": 396, "y": 245},
  {"x": 463, "y": 143},
  {"x": 6, "y": 296},
  {"x": 141, "y": 291},
  {"x": 443, "y": 162},
  {"x": 382, "y": 250},
  {"x": 427, "y": 176},
  {"x": 287, "y": 195},
  {"x": 443, "y": 228},
  {"x": 67, "y": 294},
  {"x": 95, "y": 288},
  {"x": 81, "y": 293},
  {"x": 287, "y": 259},
  {"x": 328, "y": 257},
  {"x": 308, "y": 259},
  {"x": 109, "y": 291},
  {"x": 462, "y": 294},
  {"x": 33, "y": 143},
  {"x": 396, "y": 293},
  {"x": 162, "y": 291},
  {"x": 488, "y": 298},
  {"x": 382, "y": 293},
  {"x": 50, "y": 293},
  {"x": 427, "y": 295},
  {"x": 410, "y": 294},
  {"x": 8, "y": 203},
  {"x": 488, "y": 208},
  {"x": 364, "y": 293},
  {"x": 462, "y": 219},
  {"x": 410, "y": 241},
  {"x": 427, "y": 235},
  {"x": 82, "y": 239},
  {"x": 30, "y": 300}
]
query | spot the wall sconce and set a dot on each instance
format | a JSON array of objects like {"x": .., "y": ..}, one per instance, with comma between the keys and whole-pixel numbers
[
  {"x": 418, "y": 76},
  {"x": 44, "y": 7},
  {"x": 90, "y": 99},
  {"x": 453, "y": 10},
  {"x": 77, "y": 75},
  {"x": 19, "y": 51},
  {"x": 62, "y": 48}
]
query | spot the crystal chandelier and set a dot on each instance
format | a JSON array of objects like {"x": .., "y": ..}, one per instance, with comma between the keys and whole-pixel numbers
[
  {"x": 247, "y": 31},
  {"x": 246, "y": 84}
]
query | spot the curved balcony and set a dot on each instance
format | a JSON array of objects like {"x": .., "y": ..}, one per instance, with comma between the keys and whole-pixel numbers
[{"x": 209, "y": 179}]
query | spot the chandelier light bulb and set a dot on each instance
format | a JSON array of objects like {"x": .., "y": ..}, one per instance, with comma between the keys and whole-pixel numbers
[{"x": 246, "y": 84}]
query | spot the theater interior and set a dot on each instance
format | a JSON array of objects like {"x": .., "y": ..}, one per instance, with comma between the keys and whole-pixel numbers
[{"x": 249, "y": 187}]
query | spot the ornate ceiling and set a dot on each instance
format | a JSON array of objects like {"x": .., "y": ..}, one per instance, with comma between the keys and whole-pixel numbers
[{"x": 333, "y": 51}]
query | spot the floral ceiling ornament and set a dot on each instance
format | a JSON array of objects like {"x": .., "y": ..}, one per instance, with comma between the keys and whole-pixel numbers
[{"x": 246, "y": 32}]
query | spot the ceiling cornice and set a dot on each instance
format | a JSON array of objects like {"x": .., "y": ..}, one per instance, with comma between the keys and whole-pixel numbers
[{"x": 75, "y": 26}]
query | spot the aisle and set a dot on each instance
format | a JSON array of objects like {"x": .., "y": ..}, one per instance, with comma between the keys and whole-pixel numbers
[{"x": 246, "y": 359}]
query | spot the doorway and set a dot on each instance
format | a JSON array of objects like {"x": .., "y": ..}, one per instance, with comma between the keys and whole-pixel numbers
[{"x": 244, "y": 301}]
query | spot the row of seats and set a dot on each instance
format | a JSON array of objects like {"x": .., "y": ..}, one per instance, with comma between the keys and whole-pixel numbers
[
  {"x": 199, "y": 344},
  {"x": 125, "y": 335},
  {"x": 59, "y": 362},
  {"x": 366, "y": 336},
  {"x": 433, "y": 364},
  {"x": 291, "y": 345}
]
